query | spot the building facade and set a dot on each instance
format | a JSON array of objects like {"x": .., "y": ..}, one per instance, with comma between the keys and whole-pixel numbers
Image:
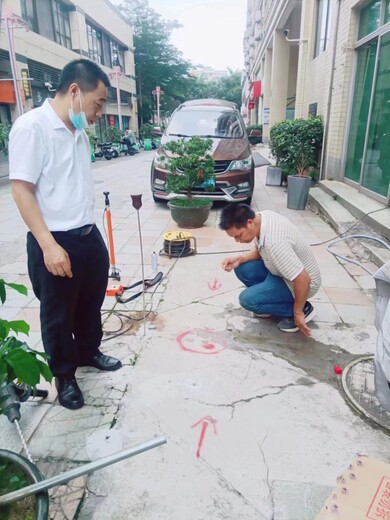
[
  {"x": 331, "y": 58},
  {"x": 45, "y": 35}
]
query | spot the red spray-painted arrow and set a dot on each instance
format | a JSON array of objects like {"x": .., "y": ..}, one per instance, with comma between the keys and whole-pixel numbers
[
  {"x": 214, "y": 284},
  {"x": 205, "y": 423}
]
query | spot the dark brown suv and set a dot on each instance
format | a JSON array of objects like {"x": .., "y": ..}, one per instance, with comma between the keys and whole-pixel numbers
[{"x": 233, "y": 162}]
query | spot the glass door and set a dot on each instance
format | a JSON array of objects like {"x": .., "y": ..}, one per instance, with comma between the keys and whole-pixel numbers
[
  {"x": 366, "y": 56},
  {"x": 376, "y": 171}
]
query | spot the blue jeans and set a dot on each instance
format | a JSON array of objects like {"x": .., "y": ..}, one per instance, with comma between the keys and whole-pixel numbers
[{"x": 265, "y": 292}]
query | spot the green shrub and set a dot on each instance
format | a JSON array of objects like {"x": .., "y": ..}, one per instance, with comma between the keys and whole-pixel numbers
[
  {"x": 190, "y": 165},
  {"x": 5, "y": 129},
  {"x": 112, "y": 134},
  {"x": 296, "y": 144}
]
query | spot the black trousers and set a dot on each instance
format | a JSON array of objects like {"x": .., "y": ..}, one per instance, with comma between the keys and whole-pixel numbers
[{"x": 71, "y": 324}]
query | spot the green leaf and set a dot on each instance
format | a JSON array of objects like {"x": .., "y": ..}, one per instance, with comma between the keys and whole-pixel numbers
[
  {"x": 45, "y": 370},
  {"x": 18, "y": 287},
  {"x": 25, "y": 366},
  {"x": 2, "y": 291},
  {"x": 19, "y": 326},
  {"x": 4, "y": 329}
]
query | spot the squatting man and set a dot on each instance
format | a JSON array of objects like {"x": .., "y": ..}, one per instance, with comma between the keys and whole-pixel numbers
[
  {"x": 52, "y": 184},
  {"x": 280, "y": 272}
]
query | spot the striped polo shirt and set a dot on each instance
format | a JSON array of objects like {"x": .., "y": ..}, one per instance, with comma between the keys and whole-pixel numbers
[{"x": 284, "y": 251}]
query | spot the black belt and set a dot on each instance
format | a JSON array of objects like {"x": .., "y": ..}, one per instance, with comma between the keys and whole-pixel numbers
[{"x": 81, "y": 231}]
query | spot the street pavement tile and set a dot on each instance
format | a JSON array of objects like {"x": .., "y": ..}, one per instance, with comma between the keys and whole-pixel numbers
[
  {"x": 32, "y": 413},
  {"x": 351, "y": 296},
  {"x": 320, "y": 296},
  {"x": 359, "y": 340},
  {"x": 64, "y": 433},
  {"x": 366, "y": 281},
  {"x": 65, "y": 499},
  {"x": 357, "y": 270},
  {"x": 301, "y": 501},
  {"x": 31, "y": 316},
  {"x": 19, "y": 268},
  {"x": 337, "y": 279},
  {"x": 326, "y": 312},
  {"x": 359, "y": 314}
]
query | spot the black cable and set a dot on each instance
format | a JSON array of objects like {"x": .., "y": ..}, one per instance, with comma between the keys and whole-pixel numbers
[
  {"x": 349, "y": 229},
  {"x": 224, "y": 252},
  {"x": 184, "y": 251}
]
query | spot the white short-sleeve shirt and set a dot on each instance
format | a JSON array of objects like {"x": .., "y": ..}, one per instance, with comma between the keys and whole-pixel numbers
[
  {"x": 43, "y": 151},
  {"x": 284, "y": 251}
]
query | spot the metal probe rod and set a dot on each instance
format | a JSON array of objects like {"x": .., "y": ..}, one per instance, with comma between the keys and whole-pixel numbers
[
  {"x": 111, "y": 250},
  {"x": 63, "y": 478},
  {"x": 16, "y": 423},
  {"x": 137, "y": 204}
]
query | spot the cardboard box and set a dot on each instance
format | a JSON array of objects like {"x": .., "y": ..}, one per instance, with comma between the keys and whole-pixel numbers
[{"x": 362, "y": 493}]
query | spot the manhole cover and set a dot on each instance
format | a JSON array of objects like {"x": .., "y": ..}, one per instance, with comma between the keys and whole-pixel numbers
[{"x": 358, "y": 384}]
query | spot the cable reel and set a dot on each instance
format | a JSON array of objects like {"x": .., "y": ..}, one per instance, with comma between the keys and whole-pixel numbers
[{"x": 178, "y": 244}]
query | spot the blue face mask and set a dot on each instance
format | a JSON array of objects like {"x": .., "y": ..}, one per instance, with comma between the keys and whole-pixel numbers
[{"x": 79, "y": 121}]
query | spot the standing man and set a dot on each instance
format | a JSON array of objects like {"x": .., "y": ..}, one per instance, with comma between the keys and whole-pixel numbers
[
  {"x": 52, "y": 184},
  {"x": 280, "y": 272}
]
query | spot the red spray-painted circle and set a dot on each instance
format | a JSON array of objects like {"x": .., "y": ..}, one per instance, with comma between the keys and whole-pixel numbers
[{"x": 201, "y": 341}]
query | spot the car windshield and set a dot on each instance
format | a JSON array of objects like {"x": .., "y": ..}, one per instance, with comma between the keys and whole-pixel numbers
[{"x": 206, "y": 123}]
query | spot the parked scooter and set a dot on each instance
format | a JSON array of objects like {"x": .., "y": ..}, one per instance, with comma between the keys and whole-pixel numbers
[
  {"x": 125, "y": 148},
  {"x": 106, "y": 150}
]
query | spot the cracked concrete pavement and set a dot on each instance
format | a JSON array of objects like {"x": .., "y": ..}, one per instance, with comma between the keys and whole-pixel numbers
[{"x": 256, "y": 421}]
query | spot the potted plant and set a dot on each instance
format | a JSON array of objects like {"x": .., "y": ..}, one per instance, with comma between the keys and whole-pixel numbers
[
  {"x": 190, "y": 166},
  {"x": 16, "y": 472},
  {"x": 92, "y": 143},
  {"x": 146, "y": 134},
  {"x": 305, "y": 140},
  {"x": 255, "y": 134},
  {"x": 24, "y": 366},
  {"x": 5, "y": 129},
  {"x": 279, "y": 144}
]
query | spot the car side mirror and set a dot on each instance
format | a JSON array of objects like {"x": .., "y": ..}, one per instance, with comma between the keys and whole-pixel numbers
[{"x": 259, "y": 160}]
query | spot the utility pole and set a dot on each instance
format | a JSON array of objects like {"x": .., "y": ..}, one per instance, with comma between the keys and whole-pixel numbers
[
  {"x": 116, "y": 74},
  {"x": 157, "y": 92},
  {"x": 11, "y": 22}
]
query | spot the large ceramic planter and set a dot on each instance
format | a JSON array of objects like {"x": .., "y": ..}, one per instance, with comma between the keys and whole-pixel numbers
[
  {"x": 298, "y": 191},
  {"x": 36, "y": 506},
  {"x": 190, "y": 217},
  {"x": 274, "y": 176}
]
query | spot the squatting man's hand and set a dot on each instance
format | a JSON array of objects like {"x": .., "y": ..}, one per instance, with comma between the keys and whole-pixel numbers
[
  {"x": 299, "y": 320},
  {"x": 57, "y": 261},
  {"x": 228, "y": 264}
]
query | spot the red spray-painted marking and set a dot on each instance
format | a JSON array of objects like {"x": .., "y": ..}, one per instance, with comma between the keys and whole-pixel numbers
[
  {"x": 198, "y": 341},
  {"x": 205, "y": 424},
  {"x": 214, "y": 285}
]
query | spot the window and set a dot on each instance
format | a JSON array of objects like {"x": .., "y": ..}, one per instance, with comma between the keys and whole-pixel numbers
[
  {"x": 201, "y": 122},
  {"x": 323, "y": 26},
  {"x": 387, "y": 11},
  {"x": 117, "y": 57},
  {"x": 370, "y": 18},
  {"x": 95, "y": 49},
  {"x": 49, "y": 19},
  {"x": 61, "y": 24},
  {"x": 29, "y": 14}
]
